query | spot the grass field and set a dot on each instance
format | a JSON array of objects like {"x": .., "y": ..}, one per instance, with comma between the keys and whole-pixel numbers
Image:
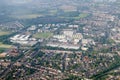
[
  {"x": 5, "y": 46},
  {"x": 82, "y": 15},
  {"x": 53, "y": 11},
  {"x": 4, "y": 33},
  {"x": 43, "y": 35},
  {"x": 26, "y": 16}
]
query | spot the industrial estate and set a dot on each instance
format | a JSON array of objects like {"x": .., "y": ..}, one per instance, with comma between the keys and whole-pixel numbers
[{"x": 60, "y": 40}]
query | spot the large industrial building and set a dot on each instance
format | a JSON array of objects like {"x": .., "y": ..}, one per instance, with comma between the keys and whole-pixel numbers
[
  {"x": 23, "y": 39},
  {"x": 65, "y": 46}
]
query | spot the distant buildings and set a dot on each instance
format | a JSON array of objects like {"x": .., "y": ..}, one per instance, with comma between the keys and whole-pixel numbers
[
  {"x": 12, "y": 26},
  {"x": 68, "y": 32},
  {"x": 115, "y": 34},
  {"x": 32, "y": 29}
]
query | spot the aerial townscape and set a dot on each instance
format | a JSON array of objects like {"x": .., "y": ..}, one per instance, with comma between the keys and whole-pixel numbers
[{"x": 60, "y": 40}]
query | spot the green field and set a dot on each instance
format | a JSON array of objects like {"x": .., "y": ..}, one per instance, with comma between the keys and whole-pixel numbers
[
  {"x": 4, "y": 33},
  {"x": 44, "y": 35},
  {"x": 5, "y": 46},
  {"x": 82, "y": 15},
  {"x": 26, "y": 16},
  {"x": 53, "y": 12}
]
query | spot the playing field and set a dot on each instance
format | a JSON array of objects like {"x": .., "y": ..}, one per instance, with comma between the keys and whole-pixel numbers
[
  {"x": 26, "y": 16},
  {"x": 5, "y": 46},
  {"x": 44, "y": 35},
  {"x": 4, "y": 33},
  {"x": 82, "y": 15}
]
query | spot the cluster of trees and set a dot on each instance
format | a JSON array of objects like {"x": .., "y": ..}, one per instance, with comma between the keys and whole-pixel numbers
[
  {"x": 102, "y": 74},
  {"x": 57, "y": 48},
  {"x": 72, "y": 77},
  {"x": 5, "y": 38},
  {"x": 1, "y": 50},
  {"x": 69, "y": 14},
  {"x": 46, "y": 19}
]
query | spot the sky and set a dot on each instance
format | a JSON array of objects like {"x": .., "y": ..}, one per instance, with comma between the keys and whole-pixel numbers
[
  {"x": 19, "y": 2},
  {"x": 11, "y": 2}
]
